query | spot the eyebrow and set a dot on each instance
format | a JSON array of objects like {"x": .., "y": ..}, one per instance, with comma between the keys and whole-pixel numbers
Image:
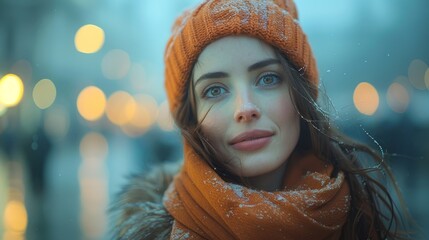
[
  {"x": 211, "y": 75},
  {"x": 262, "y": 64},
  {"x": 251, "y": 68}
]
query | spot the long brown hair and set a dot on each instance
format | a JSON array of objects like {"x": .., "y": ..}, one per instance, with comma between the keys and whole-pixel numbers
[{"x": 373, "y": 213}]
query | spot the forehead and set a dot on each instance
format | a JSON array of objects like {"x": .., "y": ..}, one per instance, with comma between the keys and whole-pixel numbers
[{"x": 232, "y": 51}]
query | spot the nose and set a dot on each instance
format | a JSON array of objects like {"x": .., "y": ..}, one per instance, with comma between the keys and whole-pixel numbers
[{"x": 246, "y": 110}]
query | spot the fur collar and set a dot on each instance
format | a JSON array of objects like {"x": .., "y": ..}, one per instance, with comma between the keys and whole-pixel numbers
[{"x": 138, "y": 212}]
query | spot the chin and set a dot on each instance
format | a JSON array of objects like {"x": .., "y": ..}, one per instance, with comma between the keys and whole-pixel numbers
[{"x": 257, "y": 169}]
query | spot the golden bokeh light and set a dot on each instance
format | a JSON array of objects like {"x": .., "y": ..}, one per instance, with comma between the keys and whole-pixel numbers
[
  {"x": 165, "y": 120},
  {"x": 132, "y": 131},
  {"x": 89, "y": 38},
  {"x": 15, "y": 216},
  {"x": 144, "y": 117},
  {"x": 94, "y": 146},
  {"x": 11, "y": 90},
  {"x": 116, "y": 64},
  {"x": 3, "y": 110},
  {"x": 146, "y": 112},
  {"x": 94, "y": 202},
  {"x": 398, "y": 97},
  {"x": 92, "y": 177},
  {"x": 120, "y": 108},
  {"x": 44, "y": 93},
  {"x": 416, "y": 73},
  {"x": 366, "y": 99},
  {"x": 10, "y": 235},
  {"x": 91, "y": 103}
]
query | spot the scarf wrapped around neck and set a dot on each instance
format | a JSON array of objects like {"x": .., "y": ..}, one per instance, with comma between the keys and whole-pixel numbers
[{"x": 312, "y": 205}]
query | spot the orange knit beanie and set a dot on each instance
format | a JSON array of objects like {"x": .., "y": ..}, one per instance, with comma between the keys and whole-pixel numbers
[{"x": 273, "y": 21}]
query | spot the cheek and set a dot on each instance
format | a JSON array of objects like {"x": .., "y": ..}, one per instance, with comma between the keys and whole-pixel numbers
[
  {"x": 287, "y": 120},
  {"x": 213, "y": 123},
  {"x": 284, "y": 112}
]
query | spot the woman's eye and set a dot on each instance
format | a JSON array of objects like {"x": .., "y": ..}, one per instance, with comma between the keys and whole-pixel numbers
[
  {"x": 268, "y": 80},
  {"x": 213, "y": 92}
]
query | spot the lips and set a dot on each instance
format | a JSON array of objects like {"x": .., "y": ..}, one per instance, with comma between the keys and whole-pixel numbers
[{"x": 251, "y": 140}]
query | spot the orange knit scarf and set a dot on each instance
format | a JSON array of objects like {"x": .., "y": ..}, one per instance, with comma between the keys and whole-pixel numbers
[{"x": 311, "y": 206}]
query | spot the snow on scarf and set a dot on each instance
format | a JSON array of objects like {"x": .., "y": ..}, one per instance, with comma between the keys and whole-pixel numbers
[{"x": 312, "y": 205}]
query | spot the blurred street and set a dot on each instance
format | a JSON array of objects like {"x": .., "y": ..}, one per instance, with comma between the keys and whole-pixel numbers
[{"x": 79, "y": 184}]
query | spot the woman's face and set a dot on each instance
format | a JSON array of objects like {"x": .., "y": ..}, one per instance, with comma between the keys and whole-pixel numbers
[{"x": 243, "y": 101}]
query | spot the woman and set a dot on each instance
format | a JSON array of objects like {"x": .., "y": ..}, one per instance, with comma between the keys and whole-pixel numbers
[{"x": 261, "y": 159}]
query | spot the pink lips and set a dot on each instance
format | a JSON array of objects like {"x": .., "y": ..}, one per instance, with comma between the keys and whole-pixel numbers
[{"x": 251, "y": 140}]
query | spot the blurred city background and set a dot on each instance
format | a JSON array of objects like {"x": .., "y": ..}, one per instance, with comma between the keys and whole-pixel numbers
[{"x": 82, "y": 104}]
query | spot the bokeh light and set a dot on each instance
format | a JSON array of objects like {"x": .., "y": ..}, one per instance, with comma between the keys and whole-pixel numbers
[
  {"x": 15, "y": 216},
  {"x": 93, "y": 185},
  {"x": 165, "y": 120},
  {"x": 89, "y": 38},
  {"x": 144, "y": 117},
  {"x": 11, "y": 90},
  {"x": 3, "y": 110},
  {"x": 94, "y": 202},
  {"x": 416, "y": 73},
  {"x": 91, "y": 103},
  {"x": 147, "y": 111},
  {"x": 116, "y": 64},
  {"x": 398, "y": 97},
  {"x": 9, "y": 235},
  {"x": 12, "y": 200},
  {"x": 366, "y": 99},
  {"x": 120, "y": 108},
  {"x": 93, "y": 146},
  {"x": 44, "y": 93}
]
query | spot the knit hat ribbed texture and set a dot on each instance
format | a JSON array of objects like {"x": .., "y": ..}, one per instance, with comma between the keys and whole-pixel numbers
[{"x": 273, "y": 21}]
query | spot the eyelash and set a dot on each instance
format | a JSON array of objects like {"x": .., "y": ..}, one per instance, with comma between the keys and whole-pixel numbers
[
  {"x": 269, "y": 74},
  {"x": 207, "y": 91}
]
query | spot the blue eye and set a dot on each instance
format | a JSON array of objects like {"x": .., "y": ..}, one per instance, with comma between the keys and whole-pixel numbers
[
  {"x": 213, "y": 92},
  {"x": 268, "y": 80}
]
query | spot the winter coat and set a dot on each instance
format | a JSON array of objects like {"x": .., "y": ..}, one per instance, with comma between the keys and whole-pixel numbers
[{"x": 138, "y": 212}]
